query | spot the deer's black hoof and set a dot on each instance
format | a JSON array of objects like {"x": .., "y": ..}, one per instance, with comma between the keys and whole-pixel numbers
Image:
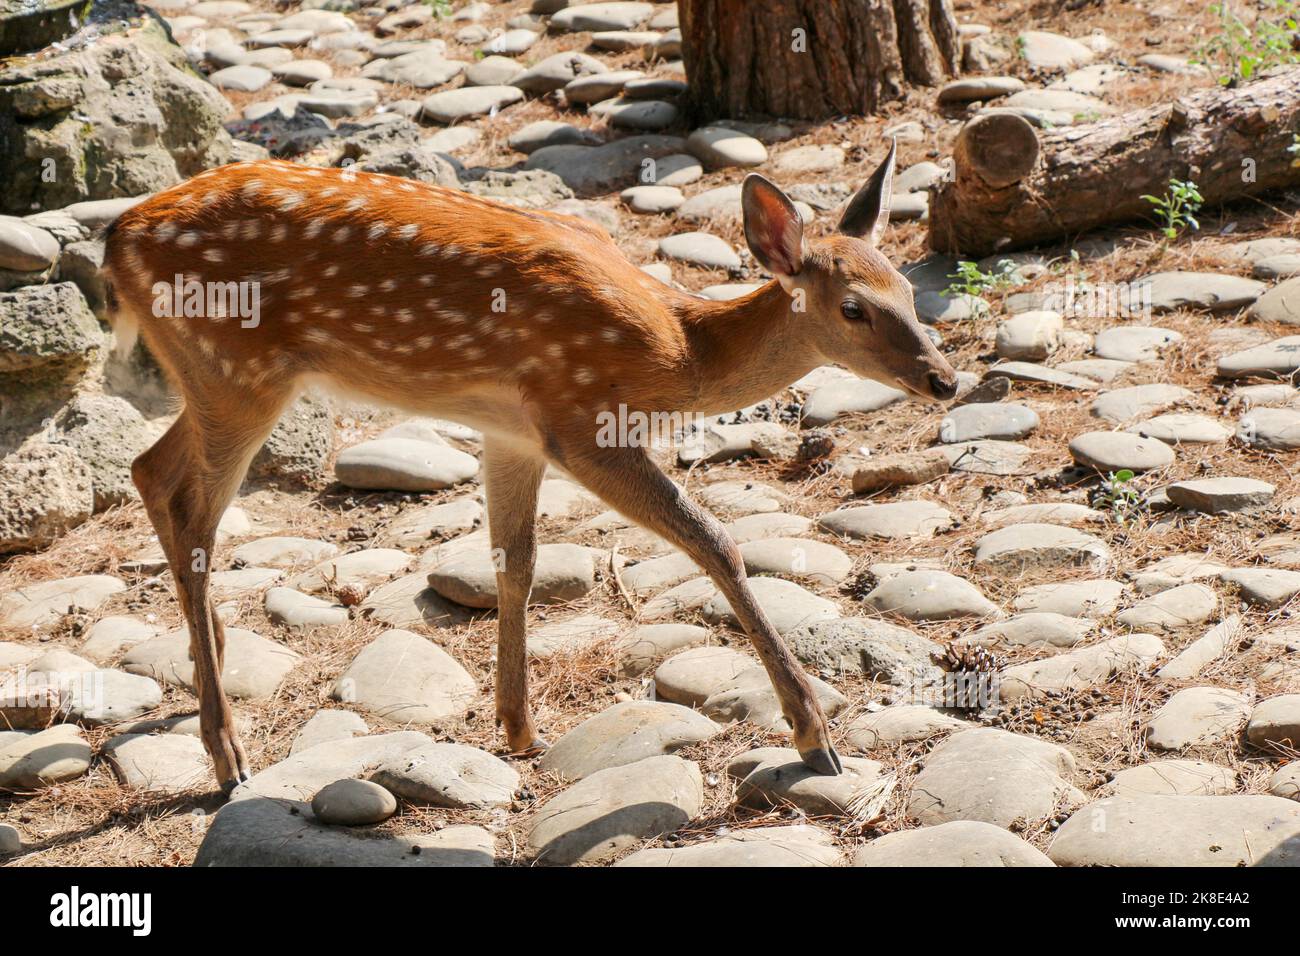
[{"x": 823, "y": 760}]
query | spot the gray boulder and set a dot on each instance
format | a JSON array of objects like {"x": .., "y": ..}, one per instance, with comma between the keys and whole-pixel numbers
[
  {"x": 299, "y": 446},
  {"x": 45, "y": 490},
  {"x": 79, "y": 264},
  {"x": 107, "y": 433},
  {"x": 600, "y": 169},
  {"x": 47, "y": 333},
  {"x": 119, "y": 117},
  {"x": 413, "y": 162},
  {"x": 264, "y": 832},
  {"x": 531, "y": 188}
]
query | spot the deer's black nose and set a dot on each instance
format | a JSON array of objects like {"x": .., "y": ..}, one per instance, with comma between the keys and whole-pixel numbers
[{"x": 942, "y": 386}]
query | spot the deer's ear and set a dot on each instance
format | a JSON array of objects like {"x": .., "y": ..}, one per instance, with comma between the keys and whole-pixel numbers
[
  {"x": 773, "y": 228},
  {"x": 868, "y": 212}
]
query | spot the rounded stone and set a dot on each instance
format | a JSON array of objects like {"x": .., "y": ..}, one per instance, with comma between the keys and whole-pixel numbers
[
  {"x": 625, "y": 733},
  {"x": 1276, "y": 723},
  {"x": 785, "y": 603},
  {"x": 987, "y": 420},
  {"x": 1134, "y": 343},
  {"x": 811, "y": 159},
  {"x": 979, "y": 88},
  {"x": 450, "y": 775},
  {"x": 1117, "y": 451},
  {"x": 1197, "y": 716},
  {"x": 652, "y": 199},
  {"x": 607, "y": 812},
  {"x": 1158, "y": 830},
  {"x": 1025, "y": 547},
  {"x": 1181, "y": 777},
  {"x": 1220, "y": 495},
  {"x": 403, "y": 464},
  {"x": 929, "y": 595},
  {"x": 700, "y": 249},
  {"x": 26, "y": 248},
  {"x": 352, "y": 803},
  {"x": 1125, "y": 404},
  {"x": 801, "y": 845},
  {"x": 894, "y": 520},
  {"x": 1209, "y": 291},
  {"x": 900, "y": 724},
  {"x": 1181, "y": 428},
  {"x": 958, "y": 843},
  {"x": 1171, "y": 609},
  {"x": 492, "y": 71},
  {"x": 718, "y": 147},
  {"x": 452, "y": 105}
]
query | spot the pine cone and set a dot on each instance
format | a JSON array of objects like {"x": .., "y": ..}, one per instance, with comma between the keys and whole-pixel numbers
[{"x": 967, "y": 658}]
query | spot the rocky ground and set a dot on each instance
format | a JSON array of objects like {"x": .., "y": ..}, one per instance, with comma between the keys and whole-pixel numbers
[{"x": 1100, "y": 533}]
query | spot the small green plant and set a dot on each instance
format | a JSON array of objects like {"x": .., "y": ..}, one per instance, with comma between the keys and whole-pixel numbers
[
  {"x": 1240, "y": 51},
  {"x": 440, "y": 7},
  {"x": 1177, "y": 207},
  {"x": 1118, "y": 495},
  {"x": 1294, "y": 150},
  {"x": 971, "y": 280}
]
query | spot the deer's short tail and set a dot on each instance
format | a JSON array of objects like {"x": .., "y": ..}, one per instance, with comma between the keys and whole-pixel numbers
[{"x": 124, "y": 323}]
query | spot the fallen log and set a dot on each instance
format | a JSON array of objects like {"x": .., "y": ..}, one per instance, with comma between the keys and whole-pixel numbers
[{"x": 1013, "y": 186}]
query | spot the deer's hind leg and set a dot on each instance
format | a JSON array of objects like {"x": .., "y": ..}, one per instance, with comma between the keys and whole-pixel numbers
[
  {"x": 512, "y": 481},
  {"x": 187, "y": 480}
]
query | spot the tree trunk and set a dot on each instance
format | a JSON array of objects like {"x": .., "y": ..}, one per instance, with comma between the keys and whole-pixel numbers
[
  {"x": 1014, "y": 186},
  {"x": 812, "y": 59}
]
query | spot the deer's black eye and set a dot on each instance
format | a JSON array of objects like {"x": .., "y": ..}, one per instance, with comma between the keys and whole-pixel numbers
[{"x": 852, "y": 311}]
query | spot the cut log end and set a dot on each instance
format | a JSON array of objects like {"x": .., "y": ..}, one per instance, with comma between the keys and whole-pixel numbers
[
  {"x": 1000, "y": 148},
  {"x": 1016, "y": 187}
]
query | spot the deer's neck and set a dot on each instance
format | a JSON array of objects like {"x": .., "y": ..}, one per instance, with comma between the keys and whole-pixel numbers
[{"x": 745, "y": 350}]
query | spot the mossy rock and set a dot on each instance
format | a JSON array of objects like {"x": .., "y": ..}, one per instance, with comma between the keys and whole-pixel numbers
[
  {"x": 123, "y": 116},
  {"x": 27, "y": 25}
]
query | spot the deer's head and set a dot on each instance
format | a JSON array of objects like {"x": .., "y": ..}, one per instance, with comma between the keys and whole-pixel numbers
[{"x": 859, "y": 307}]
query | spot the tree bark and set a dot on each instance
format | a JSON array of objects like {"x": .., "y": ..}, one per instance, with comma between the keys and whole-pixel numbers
[
  {"x": 812, "y": 59},
  {"x": 1014, "y": 186}
]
